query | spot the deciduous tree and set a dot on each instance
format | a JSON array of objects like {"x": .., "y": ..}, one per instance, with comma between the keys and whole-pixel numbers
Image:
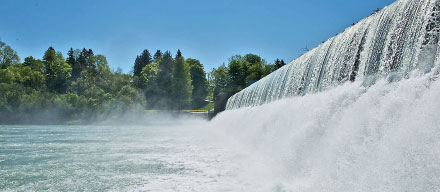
[
  {"x": 7, "y": 56},
  {"x": 199, "y": 83}
]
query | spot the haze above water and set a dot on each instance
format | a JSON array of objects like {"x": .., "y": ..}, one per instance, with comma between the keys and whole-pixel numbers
[
  {"x": 351, "y": 138},
  {"x": 112, "y": 158},
  {"x": 368, "y": 135}
]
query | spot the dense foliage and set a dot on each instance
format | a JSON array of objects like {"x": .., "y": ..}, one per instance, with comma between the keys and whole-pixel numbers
[
  {"x": 240, "y": 72},
  {"x": 82, "y": 87},
  {"x": 55, "y": 90}
]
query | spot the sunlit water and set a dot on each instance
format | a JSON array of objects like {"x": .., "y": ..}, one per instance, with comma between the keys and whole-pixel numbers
[
  {"x": 385, "y": 137},
  {"x": 360, "y": 136},
  {"x": 156, "y": 157},
  {"x": 352, "y": 138}
]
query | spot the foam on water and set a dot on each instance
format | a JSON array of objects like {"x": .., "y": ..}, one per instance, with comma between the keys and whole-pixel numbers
[
  {"x": 351, "y": 138},
  {"x": 382, "y": 137},
  {"x": 357, "y": 113},
  {"x": 310, "y": 128}
]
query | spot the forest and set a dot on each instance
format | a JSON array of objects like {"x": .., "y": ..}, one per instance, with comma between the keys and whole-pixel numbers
[{"x": 81, "y": 87}]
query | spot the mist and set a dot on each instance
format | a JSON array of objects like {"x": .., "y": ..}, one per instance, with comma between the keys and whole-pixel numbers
[
  {"x": 381, "y": 137},
  {"x": 359, "y": 112}
]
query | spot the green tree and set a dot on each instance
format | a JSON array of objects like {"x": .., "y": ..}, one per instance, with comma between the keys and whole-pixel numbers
[
  {"x": 179, "y": 54},
  {"x": 181, "y": 82},
  {"x": 82, "y": 60},
  {"x": 278, "y": 64},
  {"x": 7, "y": 56},
  {"x": 237, "y": 71},
  {"x": 219, "y": 80},
  {"x": 91, "y": 62},
  {"x": 252, "y": 58},
  {"x": 104, "y": 75},
  {"x": 267, "y": 69},
  {"x": 164, "y": 81},
  {"x": 199, "y": 83},
  {"x": 149, "y": 77},
  {"x": 37, "y": 87},
  {"x": 157, "y": 56},
  {"x": 255, "y": 70},
  {"x": 57, "y": 71},
  {"x": 141, "y": 61},
  {"x": 240, "y": 72},
  {"x": 29, "y": 77},
  {"x": 22, "y": 75},
  {"x": 128, "y": 98},
  {"x": 102, "y": 65},
  {"x": 74, "y": 64},
  {"x": 86, "y": 61},
  {"x": 245, "y": 70},
  {"x": 282, "y": 63},
  {"x": 34, "y": 64}
]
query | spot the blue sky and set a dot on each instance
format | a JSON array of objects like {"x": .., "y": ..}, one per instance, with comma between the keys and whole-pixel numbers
[{"x": 208, "y": 30}]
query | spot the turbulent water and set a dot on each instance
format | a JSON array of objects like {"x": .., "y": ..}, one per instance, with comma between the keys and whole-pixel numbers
[
  {"x": 394, "y": 41},
  {"x": 378, "y": 132},
  {"x": 351, "y": 138},
  {"x": 357, "y": 113}
]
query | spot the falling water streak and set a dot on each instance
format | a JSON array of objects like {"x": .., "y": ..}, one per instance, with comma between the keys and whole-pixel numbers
[{"x": 394, "y": 41}]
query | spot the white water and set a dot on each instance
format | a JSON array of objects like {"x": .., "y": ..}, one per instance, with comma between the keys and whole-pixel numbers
[
  {"x": 380, "y": 132},
  {"x": 400, "y": 38},
  {"x": 359, "y": 136},
  {"x": 351, "y": 138}
]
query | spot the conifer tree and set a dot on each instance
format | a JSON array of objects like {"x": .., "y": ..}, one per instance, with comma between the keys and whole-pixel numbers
[
  {"x": 179, "y": 54},
  {"x": 141, "y": 61},
  {"x": 49, "y": 60},
  {"x": 76, "y": 68},
  {"x": 91, "y": 63},
  {"x": 57, "y": 71},
  {"x": 181, "y": 83},
  {"x": 157, "y": 56},
  {"x": 164, "y": 81},
  {"x": 278, "y": 64},
  {"x": 82, "y": 59},
  {"x": 282, "y": 63}
]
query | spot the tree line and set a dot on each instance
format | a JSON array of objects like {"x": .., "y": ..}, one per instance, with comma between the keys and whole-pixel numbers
[
  {"x": 82, "y": 86},
  {"x": 170, "y": 82},
  {"x": 53, "y": 89}
]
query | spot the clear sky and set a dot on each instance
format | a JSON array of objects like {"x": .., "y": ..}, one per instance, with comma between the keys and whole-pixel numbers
[{"x": 208, "y": 30}]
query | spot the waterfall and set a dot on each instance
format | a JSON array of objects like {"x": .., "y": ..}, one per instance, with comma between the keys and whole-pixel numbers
[
  {"x": 357, "y": 113},
  {"x": 401, "y": 38},
  {"x": 384, "y": 137}
]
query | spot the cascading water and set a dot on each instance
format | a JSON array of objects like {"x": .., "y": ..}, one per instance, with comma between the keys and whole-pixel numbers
[
  {"x": 395, "y": 41},
  {"x": 376, "y": 129},
  {"x": 372, "y": 134},
  {"x": 350, "y": 138}
]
